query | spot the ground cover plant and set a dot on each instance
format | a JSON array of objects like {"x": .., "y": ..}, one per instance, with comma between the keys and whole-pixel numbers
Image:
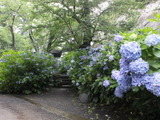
[{"x": 26, "y": 72}]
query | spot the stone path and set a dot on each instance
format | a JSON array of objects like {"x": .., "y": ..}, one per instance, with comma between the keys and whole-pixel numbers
[{"x": 57, "y": 104}]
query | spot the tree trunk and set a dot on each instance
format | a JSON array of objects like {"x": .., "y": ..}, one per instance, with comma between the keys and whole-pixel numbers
[
  {"x": 86, "y": 26},
  {"x": 12, "y": 35},
  {"x": 32, "y": 41}
]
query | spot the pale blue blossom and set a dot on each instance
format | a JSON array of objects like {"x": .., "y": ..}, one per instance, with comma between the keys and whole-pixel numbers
[
  {"x": 118, "y": 92},
  {"x": 72, "y": 61},
  {"x": 139, "y": 66},
  {"x": 77, "y": 84},
  {"x": 94, "y": 58},
  {"x": 130, "y": 51},
  {"x": 98, "y": 75},
  {"x": 105, "y": 67},
  {"x": 111, "y": 57},
  {"x": 154, "y": 85},
  {"x": 124, "y": 82},
  {"x": 138, "y": 79},
  {"x": 124, "y": 66},
  {"x": 106, "y": 83},
  {"x": 115, "y": 74},
  {"x": 152, "y": 40},
  {"x": 118, "y": 38}
]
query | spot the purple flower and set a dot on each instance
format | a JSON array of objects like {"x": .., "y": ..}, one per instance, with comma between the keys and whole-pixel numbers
[
  {"x": 154, "y": 85},
  {"x": 118, "y": 92},
  {"x": 91, "y": 63},
  {"x": 83, "y": 57},
  {"x": 152, "y": 40},
  {"x": 118, "y": 38},
  {"x": 106, "y": 83},
  {"x": 139, "y": 66},
  {"x": 115, "y": 74},
  {"x": 72, "y": 61},
  {"x": 124, "y": 66},
  {"x": 3, "y": 61},
  {"x": 111, "y": 57},
  {"x": 138, "y": 79},
  {"x": 105, "y": 67},
  {"x": 94, "y": 58},
  {"x": 124, "y": 83},
  {"x": 80, "y": 63},
  {"x": 130, "y": 51},
  {"x": 77, "y": 84},
  {"x": 98, "y": 74}
]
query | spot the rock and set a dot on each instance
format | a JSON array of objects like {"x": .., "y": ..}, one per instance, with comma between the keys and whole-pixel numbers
[
  {"x": 84, "y": 97},
  {"x": 147, "y": 13}
]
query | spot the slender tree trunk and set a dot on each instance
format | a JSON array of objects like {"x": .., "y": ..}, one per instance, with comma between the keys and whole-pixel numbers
[
  {"x": 32, "y": 41},
  {"x": 12, "y": 34},
  {"x": 86, "y": 26}
]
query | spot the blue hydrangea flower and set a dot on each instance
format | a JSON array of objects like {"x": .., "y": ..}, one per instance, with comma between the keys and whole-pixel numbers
[
  {"x": 98, "y": 75},
  {"x": 152, "y": 40},
  {"x": 83, "y": 57},
  {"x": 118, "y": 92},
  {"x": 72, "y": 61},
  {"x": 106, "y": 83},
  {"x": 111, "y": 57},
  {"x": 94, "y": 58},
  {"x": 154, "y": 85},
  {"x": 105, "y": 67},
  {"x": 118, "y": 38},
  {"x": 138, "y": 79},
  {"x": 115, "y": 74},
  {"x": 139, "y": 66},
  {"x": 124, "y": 66},
  {"x": 3, "y": 61},
  {"x": 91, "y": 63},
  {"x": 77, "y": 84},
  {"x": 80, "y": 63},
  {"x": 130, "y": 51},
  {"x": 124, "y": 83}
]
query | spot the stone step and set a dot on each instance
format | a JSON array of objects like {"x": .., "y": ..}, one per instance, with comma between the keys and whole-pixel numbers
[{"x": 64, "y": 79}]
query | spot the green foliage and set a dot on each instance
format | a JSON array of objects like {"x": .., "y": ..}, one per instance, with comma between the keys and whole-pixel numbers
[
  {"x": 89, "y": 68},
  {"x": 156, "y": 19},
  {"x": 149, "y": 54},
  {"x": 26, "y": 72}
]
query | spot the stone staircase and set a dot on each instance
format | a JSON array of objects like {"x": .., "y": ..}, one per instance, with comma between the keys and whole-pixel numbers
[{"x": 64, "y": 80}]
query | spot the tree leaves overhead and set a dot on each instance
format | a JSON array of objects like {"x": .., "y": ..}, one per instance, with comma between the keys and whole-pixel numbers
[{"x": 54, "y": 24}]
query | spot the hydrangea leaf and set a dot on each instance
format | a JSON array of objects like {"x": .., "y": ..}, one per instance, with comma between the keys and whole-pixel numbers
[
  {"x": 156, "y": 52},
  {"x": 135, "y": 89},
  {"x": 154, "y": 64}
]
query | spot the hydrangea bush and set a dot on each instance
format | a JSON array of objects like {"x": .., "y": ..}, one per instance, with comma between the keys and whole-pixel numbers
[
  {"x": 26, "y": 72},
  {"x": 138, "y": 74},
  {"x": 90, "y": 70}
]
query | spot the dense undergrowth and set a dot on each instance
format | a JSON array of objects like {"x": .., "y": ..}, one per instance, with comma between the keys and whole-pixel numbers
[{"x": 26, "y": 72}]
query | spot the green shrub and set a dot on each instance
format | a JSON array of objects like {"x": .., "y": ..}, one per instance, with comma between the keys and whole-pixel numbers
[{"x": 26, "y": 72}]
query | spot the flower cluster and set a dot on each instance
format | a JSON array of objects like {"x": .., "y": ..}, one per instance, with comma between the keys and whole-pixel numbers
[
  {"x": 152, "y": 40},
  {"x": 153, "y": 84},
  {"x": 139, "y": 66},
  {"x": 133, "y": 69},
  {"x": 118, "y": 38},
  {"x": 130, "y": 51},
  {"x": 106, "y": 83}
]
